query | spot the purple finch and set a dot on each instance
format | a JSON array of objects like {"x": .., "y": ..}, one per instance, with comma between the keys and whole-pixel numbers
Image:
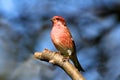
[{"x": 63, "y": 41}]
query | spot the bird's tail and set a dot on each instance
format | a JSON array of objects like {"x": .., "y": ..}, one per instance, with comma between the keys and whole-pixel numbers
[{"x": 77, "y": 64}]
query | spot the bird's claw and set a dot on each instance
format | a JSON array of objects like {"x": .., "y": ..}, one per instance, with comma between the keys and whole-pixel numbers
[{"x": 65, "y": 59}]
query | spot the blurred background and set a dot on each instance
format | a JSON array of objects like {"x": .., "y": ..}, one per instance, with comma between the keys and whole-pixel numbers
[{"x": 25, "y": 28}]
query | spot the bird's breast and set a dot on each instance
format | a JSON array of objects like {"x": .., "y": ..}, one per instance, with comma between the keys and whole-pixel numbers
[{"x": 61, "y": 36}]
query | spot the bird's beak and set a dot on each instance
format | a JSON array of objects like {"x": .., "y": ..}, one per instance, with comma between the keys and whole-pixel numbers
[{"x": 51, "y": 19}]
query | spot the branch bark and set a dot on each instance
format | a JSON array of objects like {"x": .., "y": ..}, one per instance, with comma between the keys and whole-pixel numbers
[{"x": 57, "y": 59}]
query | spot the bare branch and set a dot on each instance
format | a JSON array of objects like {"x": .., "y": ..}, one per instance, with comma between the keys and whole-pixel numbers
[{"x": 57, "y": 59}]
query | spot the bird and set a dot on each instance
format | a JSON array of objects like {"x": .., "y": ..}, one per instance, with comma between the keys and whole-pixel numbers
[{"x": 63, "y": 41}]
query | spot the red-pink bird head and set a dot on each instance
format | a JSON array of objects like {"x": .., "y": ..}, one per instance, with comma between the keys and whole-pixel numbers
[{"x": 55, "y": 19}]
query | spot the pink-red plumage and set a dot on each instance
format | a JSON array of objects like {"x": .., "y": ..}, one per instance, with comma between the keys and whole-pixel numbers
[{"x": 62, "y": 39}]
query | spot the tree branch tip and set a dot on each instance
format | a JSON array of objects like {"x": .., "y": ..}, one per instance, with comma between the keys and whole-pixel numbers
[{"x": 37, "y": 55}]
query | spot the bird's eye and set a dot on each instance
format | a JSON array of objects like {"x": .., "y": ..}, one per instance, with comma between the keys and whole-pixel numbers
[{"x": 57, "y": 19}]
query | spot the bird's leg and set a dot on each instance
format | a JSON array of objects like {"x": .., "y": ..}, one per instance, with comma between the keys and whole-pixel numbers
[
  {"x": 58, "y": 52},
  {"x": 66, "y": 58}
]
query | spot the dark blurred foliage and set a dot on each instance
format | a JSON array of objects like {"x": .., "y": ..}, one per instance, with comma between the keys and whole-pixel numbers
[{"x": 25, "y": 28}]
